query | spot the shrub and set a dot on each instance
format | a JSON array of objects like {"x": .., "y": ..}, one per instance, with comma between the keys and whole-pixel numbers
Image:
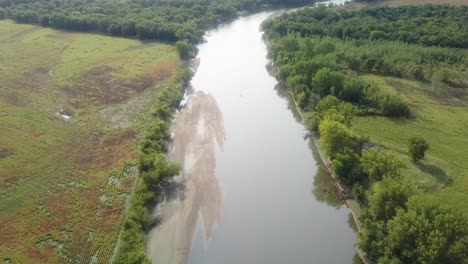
[{"x": 417, "y": 148}]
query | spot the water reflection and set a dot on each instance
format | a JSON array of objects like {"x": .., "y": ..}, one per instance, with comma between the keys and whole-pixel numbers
[
  {"x": 324, "y": 185},
  {"x": 197, "y": 132}
]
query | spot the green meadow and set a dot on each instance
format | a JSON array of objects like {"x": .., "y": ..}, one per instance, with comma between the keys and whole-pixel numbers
[
  {"x": 439, "y": 115},
  {"x": 72, "y": 106}
]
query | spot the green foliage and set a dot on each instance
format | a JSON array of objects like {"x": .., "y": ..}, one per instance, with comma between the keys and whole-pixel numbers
[
  {"x": 154, "y": 169},
  {"x": 384, "y": 199},
  {"x": 184, "y": 48},
  {"x": 387, "y": 196},
  {"x": 420, "y": 230},
  {"x": 314, "y": 61},
  {"x": 359, "y": 193},
  {"x": 346, "y": 165},
  {"x": 417, "y": 148},
  {"x": 3, "y": 13},
  {"x": 427, "y": 232},
  {"x": 318, "y": 52},
  {"x": 379, "y": 163},
  {"x": 334, "y": 136},
  {"x": 333, "y": 109},
  {"x": 431, "y": 25},
  {"x": 388, "y": 103},
  {"x": 153, "y": 19},
  {"x": 327, "y": 82}
]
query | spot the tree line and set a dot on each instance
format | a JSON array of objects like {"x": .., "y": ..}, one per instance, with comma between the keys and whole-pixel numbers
[
  {"x": 164, "y": 20},
  {"x": 429, "y": 25},
  {"x": 154, "y": 169},
  {"x": 322, "y": 71}
]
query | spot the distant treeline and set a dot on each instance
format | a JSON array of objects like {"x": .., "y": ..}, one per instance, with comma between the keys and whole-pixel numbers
[
  {"x": 166, "y": 20},
  {"x": 426, "y": 25}
]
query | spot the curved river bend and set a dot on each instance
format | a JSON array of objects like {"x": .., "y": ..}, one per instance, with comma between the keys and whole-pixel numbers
[{"x": 251, "y": 190}]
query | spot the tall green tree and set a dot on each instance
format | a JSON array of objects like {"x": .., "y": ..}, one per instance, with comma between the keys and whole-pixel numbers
[
  {"x": 428, "y": 232},
  {"x": 334, "y": 136},
  {"x": 379, "y": 163}
]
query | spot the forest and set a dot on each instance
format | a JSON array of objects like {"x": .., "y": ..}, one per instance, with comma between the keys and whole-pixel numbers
[
  {"x": 164, "y": 20},
  {"x": 429, "y": 25},
  {"x": 321, "y": 54}
]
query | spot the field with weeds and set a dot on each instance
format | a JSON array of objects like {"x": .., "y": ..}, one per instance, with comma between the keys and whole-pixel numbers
[
  {"x": 71, "y": 108},
  {"x": 439, "y": 115}
]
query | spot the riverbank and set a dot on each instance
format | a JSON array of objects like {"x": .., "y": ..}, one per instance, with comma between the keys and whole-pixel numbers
[{"x": 354, "y": 207}]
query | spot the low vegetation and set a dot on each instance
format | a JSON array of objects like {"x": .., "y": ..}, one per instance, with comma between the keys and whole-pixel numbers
[
  {"x": 378, "y": 100},
  {"x": 72, "y": 110}
]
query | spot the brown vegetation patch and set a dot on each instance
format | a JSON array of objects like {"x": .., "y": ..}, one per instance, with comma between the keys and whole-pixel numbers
[
  {"x": 39, "y": 78},
  {"x": 115, "y": 150},
  {"x": 9, "y": 176},
  {"x": 9, "y": 233},
  {"x": 6, "y": 152},
  {"x": 98, "y": 151},
  {"x": 99, "y": 86},
  {"x": 61, "y": 207},
  {"x": 82, "y": 149},
  {"x": 14, "y": 98}
]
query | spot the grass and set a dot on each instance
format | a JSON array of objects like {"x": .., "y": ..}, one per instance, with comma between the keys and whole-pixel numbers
[
  {"x": 440, "y": 117},
  {"x": 64, "y": 183}
]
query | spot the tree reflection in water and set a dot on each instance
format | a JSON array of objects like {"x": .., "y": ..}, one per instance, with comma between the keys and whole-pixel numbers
[{"x": 198, "y": 130}]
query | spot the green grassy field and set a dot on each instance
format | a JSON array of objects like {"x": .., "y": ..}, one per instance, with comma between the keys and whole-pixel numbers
[
  {"x": 71, "y": 108},
  {"x": 440, "y": 117}
]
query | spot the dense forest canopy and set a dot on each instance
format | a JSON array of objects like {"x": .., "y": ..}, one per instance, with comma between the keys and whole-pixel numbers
[
  {"x": 302, "y": 49},
  {"x": 428, "y": 25},
  {"x": 167, "y": 20}
]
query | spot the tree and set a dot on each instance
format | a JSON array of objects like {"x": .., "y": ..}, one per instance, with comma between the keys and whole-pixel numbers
[
  {"x": 332, "y": 108},
  {"x": 3, "y": 13},
  {"x": 184, "y": 49},
  {"x": 345, "y": 165},
  {"x": 326, "y": 82},
  {"x": 379, "y": 163},
  {"x": 417, "y": 148},
  {"x": 387, "y": 197},
  {"x": 428, "y": 232},
  {"x": 334, "y": 136},
  {"x": 162, "y": 169}
]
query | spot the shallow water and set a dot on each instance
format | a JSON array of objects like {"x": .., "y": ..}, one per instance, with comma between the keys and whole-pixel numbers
[{"x": 252, "y": 190}]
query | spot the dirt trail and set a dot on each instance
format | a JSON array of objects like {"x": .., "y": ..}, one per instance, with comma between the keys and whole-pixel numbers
[{"x": 198, "y": 130}]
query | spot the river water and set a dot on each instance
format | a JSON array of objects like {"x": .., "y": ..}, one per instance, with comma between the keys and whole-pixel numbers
[{"x": 252, "y": 189}]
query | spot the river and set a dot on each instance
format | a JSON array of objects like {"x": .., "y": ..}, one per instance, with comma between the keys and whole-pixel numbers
[{"x": 251, "y": 189}]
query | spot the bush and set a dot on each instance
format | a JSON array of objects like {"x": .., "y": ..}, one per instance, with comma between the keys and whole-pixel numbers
[{"x": 417, "y": 148}]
